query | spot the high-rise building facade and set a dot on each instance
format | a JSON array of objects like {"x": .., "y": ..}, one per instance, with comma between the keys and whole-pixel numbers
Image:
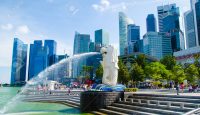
[
  {"x": 101, "y": 39},
  {"x": 157, "y": 44},
  {"x": 168, "y": 18},
  {"x": 81, "y": 43},
  {"x": 92, "y": 47},
  {"x": 197, "y": 11},
  {"x": 123, "y": 22},
  {"x": 19, "y": 62},
  {"x": 51, "y": 45},
  {"x": 133, "y": 37},
  {"x": 194, "y": 8},
  {"x": 164, "y": 11},
  {"x": 151, "y": 23},
  {"x": 190, "y": 29},
  {"x": 41, "y": 56}
]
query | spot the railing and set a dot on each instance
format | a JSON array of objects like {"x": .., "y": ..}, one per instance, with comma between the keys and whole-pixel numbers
[
  {"x": 158, "y": 103},
  {"x": 54, "y": 92},
  {"x": 193, "y": 112}
]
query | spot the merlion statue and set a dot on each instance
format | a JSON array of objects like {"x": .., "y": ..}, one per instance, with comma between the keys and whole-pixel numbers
[{"x": 110, "y": 65}]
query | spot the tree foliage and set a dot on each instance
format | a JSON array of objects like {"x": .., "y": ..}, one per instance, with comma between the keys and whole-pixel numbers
[
  {"x": 99, "y": 72},
  {"x": 141, "y": 60},
  {"x": 178, "y": 74},
  {"x": 192, "y": 73},
  {"x": 137, "y": 73},
  {"x": 86, "y": 70},
  {"x": 123, "y": 74},
  {"x": 169, "y": 61},
  {"x": 157, "y": 71}
]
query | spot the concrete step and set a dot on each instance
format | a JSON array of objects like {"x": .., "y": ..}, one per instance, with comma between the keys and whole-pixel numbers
[
  {"x": 110, "y": 112},
  {"x": 164, "y": 102},
  {"x": 171, "y": 96},
  {"x": 128, "y": 111},
  {"x": 165, "y": 107},
  {"x": 173, "y": 99},
  {"x": 98, "y": 113},
  {"x": 147, "y": 109}
]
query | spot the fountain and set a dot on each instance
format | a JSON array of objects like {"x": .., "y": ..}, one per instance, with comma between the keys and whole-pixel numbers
[
  {"x": 109, "y": 92},
  {"x": 42, "y": 77}
]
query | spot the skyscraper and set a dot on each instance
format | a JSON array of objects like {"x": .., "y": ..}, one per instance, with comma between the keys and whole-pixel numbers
[
  {"x": 163, "y": 11},
  {"x": 157, "y": 44},
  {"x": 19, "y": 62},
  {"x": 151, "y": 23},
  {"x": 39, "y": 57},
  {"x": 101, "y": 39},
  {"x": 197, "y": 10},
  {"x": 81, "y": 43},
  {"x": 133, "y": 37},
  {"x": 168, "y": 16},
  {"x": 51, "y": 45},
  {"x": 190, "y": 29},
  {"x": 123, "y": 22},
  {"x": 91, "y": 47}
]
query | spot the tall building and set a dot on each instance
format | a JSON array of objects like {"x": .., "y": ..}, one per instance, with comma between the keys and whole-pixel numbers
[
  {"x": 51, "y": 45},
  {"x": 151, "y": 23},
  {"x": 123, "y": 22},
  {"x": 168, "y": 18},
  {"x": 101, "y": 39},
  {"x": 38, "y": 58},
  {"x": 19, "y": 62},
  {"x": 92, "y": 47},
  {"x": 163, "y": 11},
  {"x": 197, "y": 10},
  {"x": 190, "y": 29},
  {"x": 133, "y": 37},
  {"x": 157, "y": 44},
  {"x": 81, "y": 43}
]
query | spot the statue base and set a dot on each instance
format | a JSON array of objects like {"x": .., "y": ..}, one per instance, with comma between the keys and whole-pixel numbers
[
  {"x": 94, "y": 100},
  {"x": 103, "y": 87}
]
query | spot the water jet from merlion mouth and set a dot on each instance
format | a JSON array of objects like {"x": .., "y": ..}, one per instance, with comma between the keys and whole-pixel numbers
[{"x": 43, "y": 76}]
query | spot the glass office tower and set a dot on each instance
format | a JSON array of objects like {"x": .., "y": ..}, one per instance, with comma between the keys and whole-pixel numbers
[
  {"x": 133, "y": 37},
  {"x": 124, "y": 21},
  {"x": 19, "y": 62},
  {"x": 81, "y": 43},
  {"x": 151, "y": 23},
  {"x": 101, "y": 39}
]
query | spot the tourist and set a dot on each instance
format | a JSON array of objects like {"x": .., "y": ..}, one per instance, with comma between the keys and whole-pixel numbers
[
  {"x": 177, "y": 88},
  {"x": 190, "y": 88},
  {"x": 170, "y": 85},
  {"x": 182, "y": 87}
]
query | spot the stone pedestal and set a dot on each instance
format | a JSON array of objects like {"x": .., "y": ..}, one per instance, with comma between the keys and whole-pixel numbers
[{"x": 93, "y": 100}]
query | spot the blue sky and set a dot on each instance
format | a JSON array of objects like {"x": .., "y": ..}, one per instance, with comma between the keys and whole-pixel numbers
[{"x": 59, "y": 19}]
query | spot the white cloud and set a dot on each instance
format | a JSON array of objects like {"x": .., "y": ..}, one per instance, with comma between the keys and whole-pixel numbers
[
  {"x": 105, "y": 5},
  {"x": 102, "y": 6},
  {"x": 73, "y": 10},
  {"x": 23, "y": 29},
  {"x": 7, "y": 26}
]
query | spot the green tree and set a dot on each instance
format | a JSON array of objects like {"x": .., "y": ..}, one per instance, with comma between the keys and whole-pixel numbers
[
  {"x": 157, "y": 71},
  {"x": 197, "y": 63},
  {"x": 99, "y": 72},
  {"x": 141, "y": 60},
  {"x": 169, "y": 61},
  {"x": 123, "y": 74},
  {"x": 192, "y": 73},
  {"x": 178, "y": 74},
  {"x": 86, "y": 70},
  {"x": 137, "y": 73}
]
